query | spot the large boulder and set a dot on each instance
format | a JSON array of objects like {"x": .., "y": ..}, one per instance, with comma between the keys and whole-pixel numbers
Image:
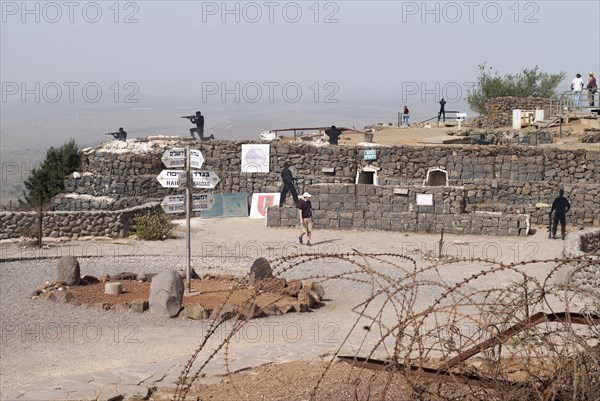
[
  {"x": 68, "y": 271},
  {"x": 166, "y": 293},
  {"x": 260, "y": 270}
]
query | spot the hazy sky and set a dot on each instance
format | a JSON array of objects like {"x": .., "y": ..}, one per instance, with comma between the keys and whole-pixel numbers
[{"x": 277, "y": 50}]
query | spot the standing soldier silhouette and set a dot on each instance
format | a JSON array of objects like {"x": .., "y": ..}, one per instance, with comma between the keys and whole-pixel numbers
[
  {"x": 442, "y": 110},
  {"x": 288, "y": 185},
  {"x": 560, "y": 207}
]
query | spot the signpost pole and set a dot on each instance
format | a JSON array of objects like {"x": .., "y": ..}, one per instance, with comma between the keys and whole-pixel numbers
[{"x": 188, "y": 212}]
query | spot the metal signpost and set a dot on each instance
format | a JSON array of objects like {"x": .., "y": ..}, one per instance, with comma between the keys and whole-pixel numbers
[{"x": 186, "y": 179}]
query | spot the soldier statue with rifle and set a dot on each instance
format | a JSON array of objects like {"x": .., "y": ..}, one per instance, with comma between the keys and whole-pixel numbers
[
  {"x": 120, "y": 135},
  {"x": 198, "y": 119}
]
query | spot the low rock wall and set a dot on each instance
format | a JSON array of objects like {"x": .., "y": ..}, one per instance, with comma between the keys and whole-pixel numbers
[
  {"x": 72, "y": 224},
  {"x": 586, "y": 273},
  {"x": 396, "y": 209}
]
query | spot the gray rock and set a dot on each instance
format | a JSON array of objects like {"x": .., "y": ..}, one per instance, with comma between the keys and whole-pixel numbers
[
  {"x": 261, "y": 269},
  {"x": 195, "y": 311},
  {"x": 318, "y": 288},
  {"x": 68, "y": 270},
  {"x": 166, "y": 293}
]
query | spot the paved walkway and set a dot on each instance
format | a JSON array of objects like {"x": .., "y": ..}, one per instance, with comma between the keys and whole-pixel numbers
[{"x": 135, "y": 381}]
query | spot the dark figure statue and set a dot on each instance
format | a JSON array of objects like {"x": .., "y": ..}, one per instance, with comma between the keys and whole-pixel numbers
[
  {"x": 288, "y": 185},
  {"x": 333, "y": 133},
  {"x": 560, "y": 207},
  {"x": 442, "y": 111},
  {"x": 120, "y": 135},
  {"x": 198, "y": 119}
]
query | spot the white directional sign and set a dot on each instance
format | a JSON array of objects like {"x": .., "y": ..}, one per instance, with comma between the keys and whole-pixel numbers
[
  {"x": 196, "y": 158},
  {"x": 201, "y": 178},
  {"x": 205, "y": 179},
  {"x": 175, "y": 157},
  {"x": 175, "y": 203}
]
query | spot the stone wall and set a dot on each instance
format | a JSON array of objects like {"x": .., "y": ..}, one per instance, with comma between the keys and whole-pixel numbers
[
  {"x": 395, "y": 209},
  {"x": 72, "y": 224},
  {"x": 499, "y": 109},
  {"x": 522, "y": 137},
  {"x": 587, "y": 272},
  {"x": 123, "y": 174}
]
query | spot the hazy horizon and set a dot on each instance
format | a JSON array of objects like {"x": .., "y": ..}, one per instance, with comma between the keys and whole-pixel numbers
[{"x": 81, "y": 69}]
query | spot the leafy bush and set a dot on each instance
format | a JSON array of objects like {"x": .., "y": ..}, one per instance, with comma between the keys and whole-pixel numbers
[
  {"x": 530, "y": 82},
  {"x": 47, "y": 180},
  {"x": 153, "y": 226}
]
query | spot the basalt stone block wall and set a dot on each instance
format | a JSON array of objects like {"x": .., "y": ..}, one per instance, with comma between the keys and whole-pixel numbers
[
  {"x": 73, "y": 224},
  {"x": 499, "y": 110},
  {"x": 126, "y": 172},
  {"x": 587, "y": 272},
  {"x": 383, "y": 208}
]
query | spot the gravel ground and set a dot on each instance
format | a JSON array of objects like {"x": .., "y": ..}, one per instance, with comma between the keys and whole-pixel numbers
[{"x": 41, "y": 339}]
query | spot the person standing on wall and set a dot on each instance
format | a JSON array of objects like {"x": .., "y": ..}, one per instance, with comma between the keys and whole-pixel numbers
[
  {"x": 288, "y": 185},
  {"x": 442, "y": 111},
  {"x": 592, "y": 87},
  {"x": 306, "y": 218},
  {"x": 405, "y": 115},
  {"x": 576, "y": 87},
  {"x": 560, "y": 207},
  {"x": 333, "y": 133}
]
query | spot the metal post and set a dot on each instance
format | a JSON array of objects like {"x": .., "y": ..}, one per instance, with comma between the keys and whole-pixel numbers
[
  {"x": 398, "y": 120},
  {"x": 188, "y": 212},
  {"x": 39, "y": 241}
]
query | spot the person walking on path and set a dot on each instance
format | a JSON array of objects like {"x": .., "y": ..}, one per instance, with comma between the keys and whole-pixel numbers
[
  {"x": 592, "y": 87},
  {"x": 288, "y": 185},
  {"x": 306, "y": 218},
  {"x": 442, "y": 111},
  {"x": 560, "y": 207},
  {"x": 576, "y": 87},
  {"x": 405, "y": 115}
]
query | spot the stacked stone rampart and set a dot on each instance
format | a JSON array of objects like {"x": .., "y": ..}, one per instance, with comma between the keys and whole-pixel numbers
[
  {"x": 73, "y": 224},
  {"x": 516, "y": 179},
  {"x": 396, "y": 209},
  {"x": 499, "y": 110},
  {"x": 584, "y": 273}
]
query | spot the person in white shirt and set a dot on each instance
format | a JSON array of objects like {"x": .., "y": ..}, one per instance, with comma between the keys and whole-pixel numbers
[{"x": 576, "y": 87}]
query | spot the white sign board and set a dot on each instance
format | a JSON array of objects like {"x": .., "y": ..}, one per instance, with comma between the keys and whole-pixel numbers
[
  {"x": 255, "y": 158},
  {"x": 425, "y": 199},
  {"x": 173, "y": 158},
  {"x": 205, "y": 179},
  {"x": 260, "y": 203},
  {"x": 202, "y": 179},
  {"x": 169, "y": 178},
  {"x": 196, "y": 158},
  {"x": 176, "y": 203}
]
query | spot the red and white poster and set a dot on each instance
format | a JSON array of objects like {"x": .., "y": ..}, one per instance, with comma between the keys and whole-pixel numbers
[{"x": 260, "y": 203}]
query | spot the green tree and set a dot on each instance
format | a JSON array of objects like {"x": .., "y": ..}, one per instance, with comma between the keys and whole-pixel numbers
[
  {"x": 530, "y": 82},
  {"x": 47, "y": 179}
]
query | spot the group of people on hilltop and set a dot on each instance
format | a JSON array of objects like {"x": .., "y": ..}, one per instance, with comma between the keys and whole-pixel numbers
[{"x": 577, "y": 85}]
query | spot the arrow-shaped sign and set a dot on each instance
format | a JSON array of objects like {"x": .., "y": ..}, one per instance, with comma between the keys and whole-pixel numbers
[
  {"x": 196, "y": 158},
  {"x": 173, "y": 158},
  {"x": 176, "y": 203},
  {"x": 205, "y": 179},
  {"x": 169, "y": 178}
]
